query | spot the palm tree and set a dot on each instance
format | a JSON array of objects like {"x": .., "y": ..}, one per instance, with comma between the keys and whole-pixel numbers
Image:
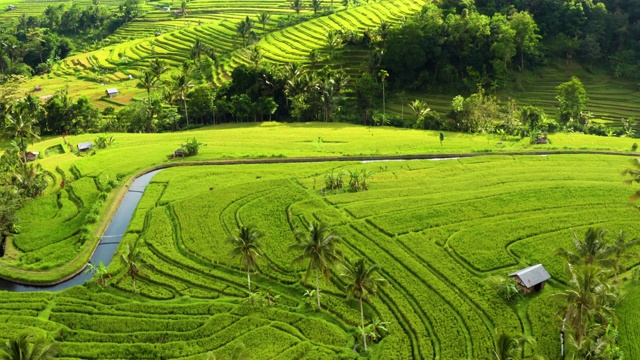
[
  {"x": 314, "y": 57},
  {"x": 133, "y": 262},
  {"x": 28, "y": 347},
  {"x": 420, "y": 109},
  {"x": 383, "y": 74},
  {"x": 197, "y": 50},
  {"x": 383, "y": 31},
  {"x": 297, "y": 6},
  {"x": 592, "y": 250},
  {"x": 20, "y": 126},
  {"x": 182, "y": 85},
  {"x": 148, "y": 81},
  {"x": 246, "y": 246},
  {"x": 183, "y": 8},
  {"x": 255, "y": 56},
  {"x": 244, "y": 29},
  {"x": 618, "y": 250},
  {"x": 360, "y": 285},
  {"x": 333, "y": 41},
  {"x": 158, "y": 67},
  {"x": 509, "y": 347},
  {"x": 588, "y": 301},
  {"x": 316, "y": 5},
  {"x": 263, "y": 19},
  {"x": 319, "y": 247}
]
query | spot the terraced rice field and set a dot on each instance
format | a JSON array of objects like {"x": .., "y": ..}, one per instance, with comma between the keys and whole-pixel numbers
[
  {"x": 132, "y": 47},
  {"x": 442, "y": 238},
  {"x": 444, "y": 233}
]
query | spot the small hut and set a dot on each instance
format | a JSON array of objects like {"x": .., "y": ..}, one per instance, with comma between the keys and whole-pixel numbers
[
  {"x": 85, "y": 146},
  {"x": 111, "y": 92},
  {"x": 531, "y": 278},
  {"x": 32, "y": 155}
]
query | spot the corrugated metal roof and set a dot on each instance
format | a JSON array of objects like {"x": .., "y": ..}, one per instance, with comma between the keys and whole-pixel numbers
[
  {"x": 85, "y": 145},
  {"x": 533, "y": 275},
  {"x": 112, "y": 91}
]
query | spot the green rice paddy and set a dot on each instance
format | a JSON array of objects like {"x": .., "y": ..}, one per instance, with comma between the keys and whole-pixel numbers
[{"x": 444, "y": 232}]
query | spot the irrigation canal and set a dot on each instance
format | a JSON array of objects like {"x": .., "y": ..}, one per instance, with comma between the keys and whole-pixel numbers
[{"x": 108, "y": 243}]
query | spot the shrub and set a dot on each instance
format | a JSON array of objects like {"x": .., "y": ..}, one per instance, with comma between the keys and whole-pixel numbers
[
  {"x": 509, "y": 290},
  {"x": 192, "y": 147},
  {"x": 634, "y": 147}
]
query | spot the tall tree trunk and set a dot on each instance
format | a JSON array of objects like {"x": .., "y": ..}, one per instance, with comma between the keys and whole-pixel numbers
[
  {"x": 364, "y": 336},
  {"x": 186, "y": 114},
  {"x": 133, "y": 279},
  {"x": 249, "y": 279},
  {"x": 318, "y": 289}
]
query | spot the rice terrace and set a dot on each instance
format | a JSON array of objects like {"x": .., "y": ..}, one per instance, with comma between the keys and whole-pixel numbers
[{"x": 319, "y": 179}]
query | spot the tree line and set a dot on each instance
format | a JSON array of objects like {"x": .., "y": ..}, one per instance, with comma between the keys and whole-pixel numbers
[
  {"x": 458, "y": 45},
  {"x": 33, "y": 44}
]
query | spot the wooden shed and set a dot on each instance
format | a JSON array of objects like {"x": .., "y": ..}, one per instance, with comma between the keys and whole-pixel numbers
[
  {"x": 32, "y": 155},
  {"x": 111, "y": 92},
  {"x": 531, "y": 278}
]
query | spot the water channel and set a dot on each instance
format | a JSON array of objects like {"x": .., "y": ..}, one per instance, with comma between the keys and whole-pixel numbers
[{"x": 108, "y": 243}]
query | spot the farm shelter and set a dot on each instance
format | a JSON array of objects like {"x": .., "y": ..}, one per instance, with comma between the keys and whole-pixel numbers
[
  {"x": 85, "y": 146},
  {"x": 111, "y": 92},
  {"x": 32, "y": 155},
  {"x": 531, "y": 278}
]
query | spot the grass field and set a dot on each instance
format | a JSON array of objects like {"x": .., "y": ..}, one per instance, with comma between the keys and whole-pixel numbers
[{"x": 444, "y": 233}]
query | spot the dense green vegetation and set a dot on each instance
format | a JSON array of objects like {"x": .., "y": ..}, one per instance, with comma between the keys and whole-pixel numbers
[
  {"x": 442, "y": 240},
  {"x": 331, "y": 259}
]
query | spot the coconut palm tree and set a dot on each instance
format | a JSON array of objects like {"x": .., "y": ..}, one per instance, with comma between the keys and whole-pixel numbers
[
  {"x": 148, "y": 81},
  {"x": 420, "y": 109},
  {"x": 263, "y": 19},
  {"x": 593, "y": 250},
  {"x": 316, "y": 5},
  {"x": 246, "y": 246},
  {"x": 255, "y": 56},
  {"x": 133, "y": 262},
  {"x": 361, "y": 284},
  {"x": 588, "y": 301},
  {"x": 383, "y": 74},
  {"x": 158, "y": 67},
  {"x": 297, "y": 6},
  {"x": 28, "y": 346},
  {"x": 244, "y": 29},
  {"x": 183, "y": 8},
  {"x": 383, "y": 31},
  {"x": 197, "y": 50},
  {"x": 618, "y": 250},
  {"x": 318, "y": 246},
  {"x": 20, "y": 126},
  {"x": 314, "y": 58},
  {"x": 334, "y": 40},
  {"x": 182, "y": 85}
]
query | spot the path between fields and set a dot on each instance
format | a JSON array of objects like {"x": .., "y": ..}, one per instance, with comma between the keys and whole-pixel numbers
[{"x": 284, "y": 160}]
